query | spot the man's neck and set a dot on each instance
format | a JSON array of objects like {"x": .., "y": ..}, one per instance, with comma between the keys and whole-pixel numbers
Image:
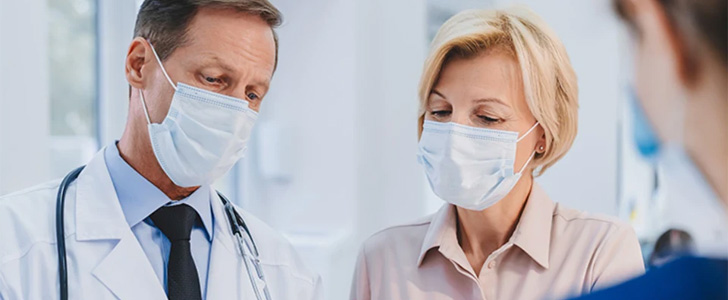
[{"x": 136, "y": 150}]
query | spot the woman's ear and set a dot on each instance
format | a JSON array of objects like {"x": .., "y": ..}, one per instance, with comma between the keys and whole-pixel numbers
[
  {"x": 541, "y": 143},
  {"x": 135, "y": 61}
]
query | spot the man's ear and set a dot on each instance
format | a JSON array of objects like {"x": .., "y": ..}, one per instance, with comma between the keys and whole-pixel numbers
[{"x": 136, "y": 59}]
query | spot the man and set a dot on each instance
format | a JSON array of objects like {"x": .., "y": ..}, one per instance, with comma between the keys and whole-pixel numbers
[
  {"x": 141, "y": 220},
  {"x": 681, "y": 59}
]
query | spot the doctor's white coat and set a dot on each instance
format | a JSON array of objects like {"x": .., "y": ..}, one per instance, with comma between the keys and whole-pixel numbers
[{"x": 105, "y": 260}]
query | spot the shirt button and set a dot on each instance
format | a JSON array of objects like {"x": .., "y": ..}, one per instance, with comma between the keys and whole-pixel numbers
[{"x": 491, "y": 265}]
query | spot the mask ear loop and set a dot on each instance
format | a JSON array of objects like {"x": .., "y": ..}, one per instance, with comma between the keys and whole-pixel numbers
[
  {"x": 144, "y": 106},
  {"x": 159, "y": 61},
  {"x": 527, "y": 132},
  {"x": 164, "y": 71},
  {"x": 532, "y": 153},
  {"x": 527, "y": 162}
]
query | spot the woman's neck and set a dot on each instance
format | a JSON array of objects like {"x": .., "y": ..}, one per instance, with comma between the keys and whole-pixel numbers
[{"x": 480, "y": 233}]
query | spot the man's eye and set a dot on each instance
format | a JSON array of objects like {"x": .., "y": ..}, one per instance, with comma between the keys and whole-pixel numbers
[
  {"x": 213, "y": 79},
  {"x": 253, "y": 96}
]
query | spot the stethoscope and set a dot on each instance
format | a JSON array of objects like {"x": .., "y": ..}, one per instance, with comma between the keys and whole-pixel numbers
[{"x": 237, "y": 225}]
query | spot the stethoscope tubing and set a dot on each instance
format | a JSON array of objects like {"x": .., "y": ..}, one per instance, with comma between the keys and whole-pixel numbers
[{"x": 234, "y": 219}]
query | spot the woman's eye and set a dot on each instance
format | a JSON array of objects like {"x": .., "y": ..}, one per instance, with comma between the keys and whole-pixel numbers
[
  {"x": 488, "y": 120},
  {"x": 440, "y": 113},
  {"x": 253, "y": 96}
]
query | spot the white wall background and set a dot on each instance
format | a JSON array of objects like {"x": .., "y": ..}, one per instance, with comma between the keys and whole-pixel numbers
[
  {"x": 333, "y": 157},
  {"x": 24, "y": 107}
]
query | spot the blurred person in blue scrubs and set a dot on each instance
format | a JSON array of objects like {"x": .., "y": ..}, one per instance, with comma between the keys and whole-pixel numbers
[{"x": 681, "y": 71}]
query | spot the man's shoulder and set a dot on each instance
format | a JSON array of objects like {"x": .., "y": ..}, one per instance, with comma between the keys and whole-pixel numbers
[
  {"x": 26, "y": 218},
  {"x": 37, "y": 192},
  {"x": 28, "y": 203}
]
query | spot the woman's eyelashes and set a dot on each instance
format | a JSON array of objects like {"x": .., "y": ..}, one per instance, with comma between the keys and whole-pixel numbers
[
  {"x": 440, "y": 113},
  {"x": 488, "y": 120},
  {"x": 444, "y": 114}
]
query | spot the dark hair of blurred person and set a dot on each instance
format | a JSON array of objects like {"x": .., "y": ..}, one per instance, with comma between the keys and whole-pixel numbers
[{"x": 672, "y": 244}]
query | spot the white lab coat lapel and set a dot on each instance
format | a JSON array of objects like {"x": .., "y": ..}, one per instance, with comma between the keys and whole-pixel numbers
[
  {"x": 125, "y": 270},
  {"x": 227, "y": 277}
]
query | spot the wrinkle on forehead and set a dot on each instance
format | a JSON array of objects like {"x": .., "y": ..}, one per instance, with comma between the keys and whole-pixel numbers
[{"x": 242, "y": 40}]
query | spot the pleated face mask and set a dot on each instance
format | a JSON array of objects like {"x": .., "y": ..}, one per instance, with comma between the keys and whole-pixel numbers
[
  {"x": 470, "y": 167},
  {"x": 203, "y": 135}
]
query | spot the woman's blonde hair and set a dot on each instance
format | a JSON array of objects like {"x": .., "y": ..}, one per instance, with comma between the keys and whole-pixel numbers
[{"x": 548, "y": 79}]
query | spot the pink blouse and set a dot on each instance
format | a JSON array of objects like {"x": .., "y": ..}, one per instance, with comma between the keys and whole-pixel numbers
[{"x": 554, "y": 252}]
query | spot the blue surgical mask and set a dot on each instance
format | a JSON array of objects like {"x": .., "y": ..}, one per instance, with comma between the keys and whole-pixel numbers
[
  {"x": 645, "y": 139},
  {"x": 203, "y": 135},
  {"x": 470, "y": 167}
]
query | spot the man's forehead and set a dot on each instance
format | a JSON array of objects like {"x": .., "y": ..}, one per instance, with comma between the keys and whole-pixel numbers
[{"x": 232, "y": 35}]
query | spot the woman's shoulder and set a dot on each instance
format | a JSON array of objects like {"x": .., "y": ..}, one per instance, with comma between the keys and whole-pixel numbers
[
  {"x": 401, "y": 237},
  {"x": 607, "y": 245},
  {"x": 569, "y": 220},
  {"x": 568, "y": 226},
  {"x": 603, "y": 240},
  {"x": 406, "y": 232}
]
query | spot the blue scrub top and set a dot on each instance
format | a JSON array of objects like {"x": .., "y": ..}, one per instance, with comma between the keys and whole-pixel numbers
[{"x": 685, "y": 278}]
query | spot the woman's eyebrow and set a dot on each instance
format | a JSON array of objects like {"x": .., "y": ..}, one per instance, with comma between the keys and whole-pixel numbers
[
  {"x": 436, "y": 92},
  {"x": 491, "y": 100}
]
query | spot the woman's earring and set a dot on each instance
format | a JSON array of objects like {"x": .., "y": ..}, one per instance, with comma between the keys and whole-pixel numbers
[{"x": 540, "y": 148}]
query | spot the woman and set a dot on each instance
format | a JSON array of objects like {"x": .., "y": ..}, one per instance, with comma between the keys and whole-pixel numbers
[{"x": 498, "y": 103}]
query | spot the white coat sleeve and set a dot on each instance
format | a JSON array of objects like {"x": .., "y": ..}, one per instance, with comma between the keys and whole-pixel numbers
[
  {"x": 318, "y": 289},
  {"x": 3, "y": 288}
]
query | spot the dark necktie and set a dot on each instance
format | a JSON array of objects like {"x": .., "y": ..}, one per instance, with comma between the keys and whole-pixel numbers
[{"x": 176, "y": 223}]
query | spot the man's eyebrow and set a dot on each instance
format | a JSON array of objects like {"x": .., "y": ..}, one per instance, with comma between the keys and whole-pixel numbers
[
  {"x": 264, "y": 84},
  {"x": 218, "y": 62},
  {"x": 221, "y": 63}
]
